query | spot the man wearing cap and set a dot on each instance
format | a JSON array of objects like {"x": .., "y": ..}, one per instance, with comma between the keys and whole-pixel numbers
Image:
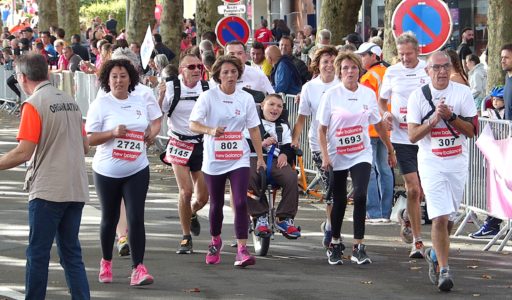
[
  {"x": 380, "y": 188},
  {"x": 400, "y": 80},
  {"x": 28, "y": 33}
]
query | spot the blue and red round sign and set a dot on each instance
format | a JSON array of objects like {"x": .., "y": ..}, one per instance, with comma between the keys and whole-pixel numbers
[
  {"x": 232, "y": 28},
  {"x": 430, "y": 20}
]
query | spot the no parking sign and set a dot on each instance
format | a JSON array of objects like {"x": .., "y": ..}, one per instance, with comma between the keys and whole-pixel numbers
[
  {"x": 232, "y": 28},
  {"x": 430, "y": 20}
]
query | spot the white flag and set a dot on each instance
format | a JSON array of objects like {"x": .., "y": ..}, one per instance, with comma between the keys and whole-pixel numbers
[{"x": 147, "y": 48}]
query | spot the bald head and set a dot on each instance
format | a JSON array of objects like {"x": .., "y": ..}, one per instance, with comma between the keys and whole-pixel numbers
[{"x": 273, "y": 54}]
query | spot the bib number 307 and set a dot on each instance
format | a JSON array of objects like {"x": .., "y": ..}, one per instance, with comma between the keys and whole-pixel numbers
[
  {"x": 129, "y": 147},
  {"x": 229, "y": 146},
  {"x": 444, "y": 144}
]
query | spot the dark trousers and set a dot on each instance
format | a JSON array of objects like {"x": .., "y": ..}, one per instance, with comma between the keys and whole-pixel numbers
[{"x": 11, "y": 82}]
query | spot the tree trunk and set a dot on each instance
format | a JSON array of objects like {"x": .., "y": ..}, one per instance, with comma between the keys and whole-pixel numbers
[
  {"x": 500, "y": 34},
  {"x": 69, "y": 21},
  {"x": 207, "y": 16},
  {"x": 340, "y": 17},
  {"x": 389, "y": 40},
  {"x": 47, "y": 14},
  {"x": 171, "y": 25},
  {"x": 142, "y": 14}
]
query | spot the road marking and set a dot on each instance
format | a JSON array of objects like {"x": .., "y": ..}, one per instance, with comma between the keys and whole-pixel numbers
[{"x": 8, "y": 292}]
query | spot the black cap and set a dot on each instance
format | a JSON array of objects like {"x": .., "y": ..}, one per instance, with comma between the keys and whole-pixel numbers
[
  {"x": 28, "y": 29},
  {"x": 353, "y": 38}
]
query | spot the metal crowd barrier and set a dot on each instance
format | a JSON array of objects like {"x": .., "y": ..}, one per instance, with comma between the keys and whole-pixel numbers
[
  {"x": 293, "y": 113},
  {"x": 475, "y": 195},
  {"x": 85, "y": 87}
]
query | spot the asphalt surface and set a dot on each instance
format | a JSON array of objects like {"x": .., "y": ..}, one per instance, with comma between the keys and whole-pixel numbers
[{"x": 292, "y": 269}]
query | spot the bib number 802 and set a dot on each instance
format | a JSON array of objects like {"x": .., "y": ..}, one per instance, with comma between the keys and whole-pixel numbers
[{"x": 229, "y": 146}]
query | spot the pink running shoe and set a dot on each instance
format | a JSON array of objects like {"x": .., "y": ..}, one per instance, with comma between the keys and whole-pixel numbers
[
  {"x": 105, "y": 275},
  {"x": 140, "y": 276},
  {"x": 244, "y": 258},
  {"x": 213, "y": 255}
]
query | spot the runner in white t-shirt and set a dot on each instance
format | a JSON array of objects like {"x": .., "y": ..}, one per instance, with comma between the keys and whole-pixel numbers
[
  {"x": 441, "y": 133},
  {"x": 252, "y": 78},
  {"x": 222, "y": 114},
  {"x": 185, "y": 148},
  {"x": 323, "y": 65},
  {"x": 345, "y": 112},
  {"x": 398, "y": 83},
  {"x": 118, "y": 124}
]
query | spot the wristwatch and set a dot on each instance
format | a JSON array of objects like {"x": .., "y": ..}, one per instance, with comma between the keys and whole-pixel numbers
[{"x": 452, "y": 117}]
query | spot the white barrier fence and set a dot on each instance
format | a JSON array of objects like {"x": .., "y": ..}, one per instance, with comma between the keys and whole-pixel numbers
[{"x": 475, "y": 195}]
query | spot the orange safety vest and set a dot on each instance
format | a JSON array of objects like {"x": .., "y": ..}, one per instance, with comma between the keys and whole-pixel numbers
[{"x": 373, "y": 79}]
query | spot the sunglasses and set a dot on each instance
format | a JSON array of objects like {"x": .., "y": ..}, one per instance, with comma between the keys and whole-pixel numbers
[{"x": 193, "y": 67}]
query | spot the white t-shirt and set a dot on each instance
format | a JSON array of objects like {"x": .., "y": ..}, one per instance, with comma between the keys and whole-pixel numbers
[
  {"x": 121, "y": 157},
  {"x": 179, "y": 121},
  {"x": 310, "y": 97},
  {"x": 235, "y": 112},
  {"x": 270, "y": 128},
  {"x": 347, "y": 116},
  {"x": 252, "y": 78},
  {"x": 440, "y": 150},
  {"x": 397, "y": 85},
  {"x": 143, "y": 91}
]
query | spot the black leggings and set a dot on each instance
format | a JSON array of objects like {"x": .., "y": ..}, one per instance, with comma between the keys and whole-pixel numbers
[
  {"x": 11, "y": 82},
  {"x": 360, "y": 174},
  {"x": 133, "y": 189}
]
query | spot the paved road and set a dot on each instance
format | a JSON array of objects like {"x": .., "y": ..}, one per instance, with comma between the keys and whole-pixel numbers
[{"x": 292, "y": 270}]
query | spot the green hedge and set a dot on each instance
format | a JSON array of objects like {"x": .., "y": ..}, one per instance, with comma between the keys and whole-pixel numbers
[{"x": 117, "y": 8}]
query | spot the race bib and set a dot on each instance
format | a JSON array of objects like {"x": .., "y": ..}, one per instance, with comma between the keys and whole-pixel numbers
[
  {"x": 229, "y": 146},
  {"x": 444, "y": 144},
  {"x": 130, "y": 146},
  {"x": 178, "y": 152},
  {"x": 349, "y": 140},
  {"x": 402, "y": 120}
]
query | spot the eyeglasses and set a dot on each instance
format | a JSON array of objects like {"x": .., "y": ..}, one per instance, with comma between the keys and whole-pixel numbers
[
  {"x": 438, "y": 68},
  {"x": 193, "y": 67}
]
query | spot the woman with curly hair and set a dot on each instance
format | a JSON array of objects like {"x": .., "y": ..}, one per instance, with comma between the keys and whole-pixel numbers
[{"x": 117, "y": 123}]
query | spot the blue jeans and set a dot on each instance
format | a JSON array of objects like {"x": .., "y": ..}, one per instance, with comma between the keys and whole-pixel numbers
[
  {"x": 60, "y": 221},
  {"x": 380, "y": 189}
]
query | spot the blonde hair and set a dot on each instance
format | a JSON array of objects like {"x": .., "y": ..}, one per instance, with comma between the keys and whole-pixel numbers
[{"x": 348, "y": 56}]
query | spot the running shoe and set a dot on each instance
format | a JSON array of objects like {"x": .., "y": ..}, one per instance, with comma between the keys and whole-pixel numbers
[
  {"x": 418, "y": 250},
  {"x": 261, "y": 228},
  {"x": 140, "y": 276},
  {"x": 445, "y": 281},
  {"x": 123, "y": 248},
  {"x": 195, "y": 226},
  {"x": 335, "y": 254},
  {"x": 287, "y": 228},
  {"x": 359, "y": 255},
  {"x": 405, "y": 227},
  {"x": 244, "y": 258},
  {"x": 105, "y": 275},
  {"x": 213, "y": 255},
  {"x": 433, "y": 267},
  {"x": 185, "y": 247},
  {"x": 327, "y": 236},
  {"x": 485, "y": 232}
]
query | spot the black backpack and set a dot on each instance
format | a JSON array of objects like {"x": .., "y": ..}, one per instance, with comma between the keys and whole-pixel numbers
[
  {"x": 427, "y": 93},
  {"x": 177, "y": 93}
]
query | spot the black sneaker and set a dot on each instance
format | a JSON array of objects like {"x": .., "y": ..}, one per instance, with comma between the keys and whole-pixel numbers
[
  {"x": 445, "y": 281},
  {"x": 195, "y": 227},
  {"x": 335, "y": 254},
  {"x": 359, "y": 255},
  {"x": 185, "y": 247}
]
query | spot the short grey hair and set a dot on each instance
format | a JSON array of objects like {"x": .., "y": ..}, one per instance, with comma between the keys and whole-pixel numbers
[
  {"x": 408, "y": 37},
  {"x": 32, "y": 65},
  {"x": 126, "y": 53},
  {"x": 205, "y": 45},
  {"x": 325, "y": 34},
  {"x": 437, "y": 53}
]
